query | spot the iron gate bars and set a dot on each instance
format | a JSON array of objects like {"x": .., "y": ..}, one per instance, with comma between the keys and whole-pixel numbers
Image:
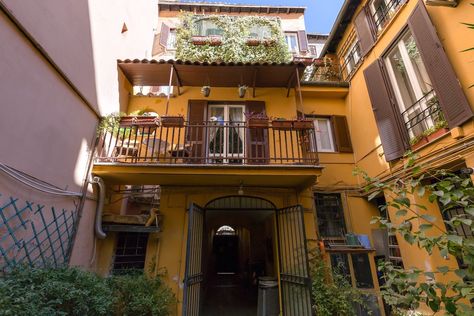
[
  {"x": 294, "y": 267},
  {"x": 193, "y": 276}
]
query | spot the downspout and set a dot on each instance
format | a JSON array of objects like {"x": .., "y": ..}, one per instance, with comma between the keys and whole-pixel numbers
[{"x": 99, "y": 232}]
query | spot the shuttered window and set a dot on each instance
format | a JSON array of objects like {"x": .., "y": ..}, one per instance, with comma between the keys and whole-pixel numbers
[
  {"x": 165, "y": 32},
  {"x": 258, "y": 151},
  {"x": 303, "y": 41},
  {"x": 408, "y": 86},
  {"x": 195, "y": 132},
  {"x": 332, "y": 134},
  {"x": 292, "y": 42},
  {"x": 365, "y": 30}
]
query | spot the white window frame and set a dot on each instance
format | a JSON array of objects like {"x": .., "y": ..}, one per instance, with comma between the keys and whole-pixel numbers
[
  {"x": 315, "y": 47},
  {"x": 288, "y": 42},
  {"x": 412, "y": 77},
  {"x": 316, "y": 123},
  {"x": 171, "y": 41},
  {"x": 240, "y": 130}
]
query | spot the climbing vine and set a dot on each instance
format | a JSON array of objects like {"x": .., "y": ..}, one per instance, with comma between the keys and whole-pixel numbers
[{"x": 233, "y": 45}]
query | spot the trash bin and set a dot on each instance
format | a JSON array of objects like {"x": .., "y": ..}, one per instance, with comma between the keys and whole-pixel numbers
[{"x": 268, "y": 304}]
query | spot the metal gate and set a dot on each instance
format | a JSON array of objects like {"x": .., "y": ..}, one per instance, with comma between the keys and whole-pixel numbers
[
  {"x": 193, "y": 276},
  {"x": 294, "y": 267}
]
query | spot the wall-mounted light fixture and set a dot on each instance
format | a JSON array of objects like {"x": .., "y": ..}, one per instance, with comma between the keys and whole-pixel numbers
[
  {"x": 241, "y": 188},
  {"x": 242, "y": 90}
]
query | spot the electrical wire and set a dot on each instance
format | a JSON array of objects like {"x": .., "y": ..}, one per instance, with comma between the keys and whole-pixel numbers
[{"x": 35, "y": 183}]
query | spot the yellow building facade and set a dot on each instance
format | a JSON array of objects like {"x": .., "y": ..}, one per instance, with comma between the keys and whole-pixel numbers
[{"x": 247, "y": 166}]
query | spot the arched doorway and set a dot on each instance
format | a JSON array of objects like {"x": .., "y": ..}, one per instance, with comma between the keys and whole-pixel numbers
[
  {"x": 231, "y": 242},
  {"x": 239, "y": 247}
]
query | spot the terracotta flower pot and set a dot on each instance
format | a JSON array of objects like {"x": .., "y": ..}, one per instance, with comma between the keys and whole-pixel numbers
[
  {"x": 253, "y": 42},
  {"x": 419, "y": 143},
  {"x": 304, "y": 124},
  {"x": 172, "y": 121},
  {"x": 258, "y": 123},
  {"x": 282, "y": 125},
  {"x": 437, "y": 134},
  {"x": 199, "y": 40}
]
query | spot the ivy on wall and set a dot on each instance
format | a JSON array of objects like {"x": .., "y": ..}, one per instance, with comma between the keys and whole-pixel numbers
[{"x": 234, "y": 47}]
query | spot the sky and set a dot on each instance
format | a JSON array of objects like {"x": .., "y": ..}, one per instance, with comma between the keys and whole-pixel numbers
[{"x": 319, "y": 14}]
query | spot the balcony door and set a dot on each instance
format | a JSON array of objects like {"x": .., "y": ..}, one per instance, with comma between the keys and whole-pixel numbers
[
  {"x": 226, "y": 137},
  {"x": 412, "y": 86}
]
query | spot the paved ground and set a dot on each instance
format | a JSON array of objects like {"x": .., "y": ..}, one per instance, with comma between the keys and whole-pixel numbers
[{"x": 227, "y": 296}]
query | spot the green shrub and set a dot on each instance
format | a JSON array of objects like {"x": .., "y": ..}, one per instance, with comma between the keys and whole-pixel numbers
[
  {"x": 71, "y": 291},
  {"x": 332, "y": 293},
  {"x": 138, "y": 295},
  {"x": 63, "y": 291}
]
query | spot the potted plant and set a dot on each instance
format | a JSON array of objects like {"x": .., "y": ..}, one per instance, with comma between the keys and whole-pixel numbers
[
  {"x": 436, "y": 131},
  {"x": 206, "y": 90},
  {"x": 303, "y": 123},
  {"x": 242, "y": 90},
  {"x": 281, "y": 124},
  {"x": 215, "y": 40},
  {"x": 257, "y": 120},
  {"x": 199, "y": 40},
  {"x": 253, "y": 41},
  {"x": 418, "y": 141},
  {"x": 172, "y": 121},
  {"x": 269, "y": 42}
]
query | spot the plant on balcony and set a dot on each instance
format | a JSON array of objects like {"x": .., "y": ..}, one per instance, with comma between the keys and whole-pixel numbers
[
  {"x": 257, "y": 120},
  {"x": 172, "y": 121},
  {"x": 281, "y": 124},
  {"x": 253, "y": 41},
  {"x": 303, "y": 123},
  {"x": 242, "y": 91},
  {"x": 233, "y": 46},
  {"x": 205, "y": 91},
  {"x": 418, "y": 141},
  {"x": 439, "y": 129}
]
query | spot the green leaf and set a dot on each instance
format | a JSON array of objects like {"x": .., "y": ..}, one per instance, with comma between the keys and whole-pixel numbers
[
  {"x": 429, "y": 218},
  {"x": 469, "y": 210},
  {"x": 434, "y": 305},
  {"x": 443, "y": 269},
  {"x": 424, "y": 227},
  {"x": 400, "y": 213},
  {"x": 465, "y": 221},
  {"x": 438, "y": 193},
  {"x": 450, "y": 307},
  {"x": 460, "y": 273},
  {"x": 455, "y": 239},
  {"x": 421, "y": 191},
  {"x": 403, "y": 201},
  {"x": 444, "y": 252}
]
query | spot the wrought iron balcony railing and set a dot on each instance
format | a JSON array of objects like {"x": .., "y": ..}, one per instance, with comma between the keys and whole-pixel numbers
[
  {"x": 208, "y": 143},
  {"x": 384, "y": 12},
  {"x": 423, "y": 116}
]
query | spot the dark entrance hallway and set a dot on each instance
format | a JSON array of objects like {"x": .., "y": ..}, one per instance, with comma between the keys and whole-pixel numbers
[{"x": 239, "y": 247}]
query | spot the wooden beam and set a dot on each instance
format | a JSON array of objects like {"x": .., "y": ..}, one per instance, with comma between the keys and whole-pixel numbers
[
  {"x": 254, "y": 82},
  {"x": 288, "y": 86}
]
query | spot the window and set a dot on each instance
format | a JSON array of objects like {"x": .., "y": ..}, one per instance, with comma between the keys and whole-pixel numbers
[
  {"x": 382, "y": 10},
  {"x": 352, "y": 58},
  {"x": 226, "y": 133},
  {"x": 130, "y": 252},
  {"x": 324, "y": 136},
  {"x": 260, "y": 32},
  {"x": 362, "y": 272},
  {"x": 313, "y": 50},
  {"x": 292, "y": 42},
  {"x": 330, "y": 215},
  {"x": 171, "y": 42},
  {"x": 412, "y": 86},
  {"x": 207, "y": 27}
]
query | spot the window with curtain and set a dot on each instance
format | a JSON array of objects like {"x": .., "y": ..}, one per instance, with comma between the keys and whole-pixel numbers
[{"x": 324, "y": 135}]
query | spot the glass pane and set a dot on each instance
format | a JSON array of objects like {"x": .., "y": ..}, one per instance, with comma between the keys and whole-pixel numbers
[
  {"x": 216, "y": 134},
  {"x": 330, "y": 215},
  {"x": 236, "y": 132},
  {"x": 362, "y": 272},
  {"x": 420, "y": 70},
  {"x": 401, "y": 76},
  {"x": 324, "y": 137}
]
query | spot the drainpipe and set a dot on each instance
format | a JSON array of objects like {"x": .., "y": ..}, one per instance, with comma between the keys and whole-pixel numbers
[{"x": 100, "y": 234}]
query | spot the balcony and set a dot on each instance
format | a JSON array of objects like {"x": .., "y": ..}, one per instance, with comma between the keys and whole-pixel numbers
[
  {"x": 424, "y": 120},
  {"x": 260, "y": 151}
]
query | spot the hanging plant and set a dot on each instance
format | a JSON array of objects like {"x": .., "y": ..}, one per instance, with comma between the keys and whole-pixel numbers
[
  {"x": 206, "y": 90},
  {"x": 242, "y": 91}
]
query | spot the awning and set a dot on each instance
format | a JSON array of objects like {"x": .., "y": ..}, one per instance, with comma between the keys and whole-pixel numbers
[{"x": 157, "y": 73}]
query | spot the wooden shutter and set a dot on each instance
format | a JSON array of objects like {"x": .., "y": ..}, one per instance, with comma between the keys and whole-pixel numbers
[
  {"x": 392, "y": 131},
  {"x": 303, "y": 41},
  {"x": 366, "y": 34},
  {"x": 452, "y": 100},
  {"x": 196, "y": 132},
  {"x": 257, "y": 138},
  {"x": 165, "y": 32},
  {"x": 341, "y": 134}
]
